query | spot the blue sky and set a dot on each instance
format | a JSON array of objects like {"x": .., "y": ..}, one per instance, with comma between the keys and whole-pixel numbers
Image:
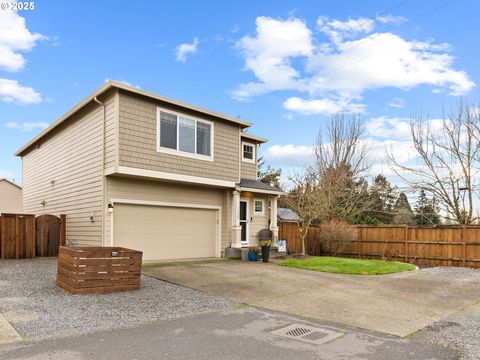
[{"x": 286, "y": 66}]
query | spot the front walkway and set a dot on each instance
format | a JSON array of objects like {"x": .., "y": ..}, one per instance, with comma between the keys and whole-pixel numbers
[{"x": 397, "y": 304}]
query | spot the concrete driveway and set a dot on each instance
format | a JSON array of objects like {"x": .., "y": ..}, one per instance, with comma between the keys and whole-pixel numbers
[{"x": 397, "y": 304}]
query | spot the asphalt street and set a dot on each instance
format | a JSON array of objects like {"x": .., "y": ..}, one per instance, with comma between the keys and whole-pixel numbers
[{"x": 243, "y": 333}]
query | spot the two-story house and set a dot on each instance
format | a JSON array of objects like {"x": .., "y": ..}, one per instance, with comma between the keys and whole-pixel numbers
[{"x": 134, "y": 169}]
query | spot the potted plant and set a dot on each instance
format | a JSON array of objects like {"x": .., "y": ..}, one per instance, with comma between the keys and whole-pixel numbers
[
  {"x": 265, "y": 245},
  {"x": 253, "y": 253}
]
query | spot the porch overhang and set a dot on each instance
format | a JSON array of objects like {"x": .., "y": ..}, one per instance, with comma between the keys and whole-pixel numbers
[{"x": 256, "y": 186}]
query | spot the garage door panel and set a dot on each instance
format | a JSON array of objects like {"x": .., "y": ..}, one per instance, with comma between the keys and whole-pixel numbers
[{"x": 164, "y": 233}]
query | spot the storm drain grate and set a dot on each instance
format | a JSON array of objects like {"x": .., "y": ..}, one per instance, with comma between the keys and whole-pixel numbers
[
  {"x": 298, "y": 331},
  {"x": 307, "y": 333}
]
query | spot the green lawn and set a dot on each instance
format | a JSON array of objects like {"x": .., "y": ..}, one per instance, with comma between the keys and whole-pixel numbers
[{"x": 348, "y": 266}]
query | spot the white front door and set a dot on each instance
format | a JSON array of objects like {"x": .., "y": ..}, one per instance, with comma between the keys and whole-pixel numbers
[{"x": 244, "y": 221}]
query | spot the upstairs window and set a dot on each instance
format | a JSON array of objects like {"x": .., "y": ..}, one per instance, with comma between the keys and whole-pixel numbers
[
  {"x": 185, "y": 136},
  {"x": 248, "y": 152}
]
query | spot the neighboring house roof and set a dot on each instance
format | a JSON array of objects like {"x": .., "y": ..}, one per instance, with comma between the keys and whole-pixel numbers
[
  {"x": 117, "y": 85},
  {"x": 287, "y": 215},
  {"x": 11, "y": 182},
  {"x": 255, "y": 138},
  {"x": 258, "y": 186}
]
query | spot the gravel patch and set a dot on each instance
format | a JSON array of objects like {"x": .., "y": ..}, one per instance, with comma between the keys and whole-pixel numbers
[
  {"x": 454, "y": 272},
  {"x": 37, "y": 309},
  {"x": 459, "y": 331}
]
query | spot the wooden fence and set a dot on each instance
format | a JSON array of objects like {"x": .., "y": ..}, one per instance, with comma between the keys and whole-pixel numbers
[
  {"x": 437, "y": 246},
  {"x": 26, "y": 236}
]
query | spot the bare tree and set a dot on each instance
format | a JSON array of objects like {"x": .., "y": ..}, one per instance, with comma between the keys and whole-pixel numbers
[
  {"x": 332, "y": 188},
  {"x": 342, "y": 144},
  {"x": 448, "y": 162},
  {"x": 304, "y": 200},
  {"x": 341, "y": 161}
]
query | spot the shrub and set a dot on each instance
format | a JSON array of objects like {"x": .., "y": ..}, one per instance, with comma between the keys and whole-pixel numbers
[
  {"x": 335, "y": 235},
  {"x": 253, "y": 249}
]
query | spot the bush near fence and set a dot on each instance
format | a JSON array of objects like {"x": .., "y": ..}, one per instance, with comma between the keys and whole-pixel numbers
[
  {"x": 27, "y": 236},
  {"x": 434, "y": 246}
]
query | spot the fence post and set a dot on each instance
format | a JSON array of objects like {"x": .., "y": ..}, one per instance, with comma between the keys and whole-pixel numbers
[
  {"x": 33, "y": 242},
  {"x": 63, "y": 229},
  {"x": 17, "y": 236},
  {"x": 405, "y": 237},
  {"x": 464, "y": 250},
  {"x": 359, "y": 242}
]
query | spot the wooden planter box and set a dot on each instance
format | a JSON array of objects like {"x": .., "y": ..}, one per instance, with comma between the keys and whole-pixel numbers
[{"x": 87, "y": 270}]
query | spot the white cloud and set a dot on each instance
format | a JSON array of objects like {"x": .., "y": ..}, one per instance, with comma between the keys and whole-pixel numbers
[
  {"x": 391, "y": 19},
  {"x": 185, "y": 49},
  {"x": 15, "y": 38},
  {"x": 385, "y": 60},
  {"x": 338, "y": 30},
  {"x": 284, "y": 55},
  {"x": 268, "y": 55},
  {"x": 12, "y": 91},
  {"x": 289, "y": 155},
  {"x": 385, "y": 127},
  {"x": 27, "y": 126},
  {"x": 324, "y": 106},
  {"x": 397, "y": 103}
]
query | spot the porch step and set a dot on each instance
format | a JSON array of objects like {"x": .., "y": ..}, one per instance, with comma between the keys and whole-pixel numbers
[{"x": 242, "y": 253}]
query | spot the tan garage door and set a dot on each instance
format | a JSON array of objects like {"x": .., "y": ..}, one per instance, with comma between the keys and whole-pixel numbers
[{"x": 164, "y": 233}]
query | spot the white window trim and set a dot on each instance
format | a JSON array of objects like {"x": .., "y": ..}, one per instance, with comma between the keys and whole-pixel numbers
[
  {"x": 255, "y": 212},
  {"x": 254, "y": 146},
  {"x": 179, "y": 152}
]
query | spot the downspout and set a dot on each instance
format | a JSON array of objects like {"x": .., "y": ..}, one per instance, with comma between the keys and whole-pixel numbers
[{"x": 104, "y": 180}]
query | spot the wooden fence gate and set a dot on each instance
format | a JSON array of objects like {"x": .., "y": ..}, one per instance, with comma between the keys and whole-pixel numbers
[
  {"x": 26, "y": 236},
  {"x": 48, "y": 235}
]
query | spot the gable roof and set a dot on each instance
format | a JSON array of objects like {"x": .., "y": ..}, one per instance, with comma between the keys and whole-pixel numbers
[
  {"x": 11, "y": 183},
  {"x": 131, "y": 89}
]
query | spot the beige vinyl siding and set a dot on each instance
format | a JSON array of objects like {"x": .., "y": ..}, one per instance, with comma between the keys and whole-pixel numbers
[
  {"x": 248, "y": 171},
  {"x": 138, "y": 143},
  {"x": 72, "y": 158},
  {"x": 10, "y": 198},
  {"x": 138, "y": 189},
  {"x": 111, "y": 132}
]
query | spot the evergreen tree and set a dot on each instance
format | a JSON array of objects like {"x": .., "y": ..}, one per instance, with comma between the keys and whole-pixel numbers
[
  {"x": 268, "y": 175},
  {"x": 402, "y": 210},
  {"x": 426, "y": 212},
  {"x": 382, "y": 197}
]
